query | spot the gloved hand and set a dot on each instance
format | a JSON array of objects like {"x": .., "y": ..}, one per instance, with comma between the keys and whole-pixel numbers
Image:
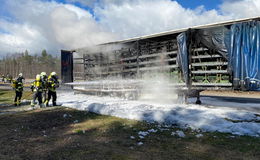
[
  {"x": 32, "y": 88},
  {"x": 56, "y": 83}
]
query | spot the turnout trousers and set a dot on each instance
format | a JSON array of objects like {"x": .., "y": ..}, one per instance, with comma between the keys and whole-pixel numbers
[
  {"x": 37, "y": 95},
  {"x": 52, "y": 95},
  {"x": 18, "y": 97},
  {"x": 44, "y": 96}
]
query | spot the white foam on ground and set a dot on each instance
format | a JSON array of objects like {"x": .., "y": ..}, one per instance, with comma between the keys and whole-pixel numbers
[{"x": 204, "y": 117}]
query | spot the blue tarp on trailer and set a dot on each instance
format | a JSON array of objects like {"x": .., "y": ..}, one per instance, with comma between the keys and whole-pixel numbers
[
  {"x": 244, "y": 55},
  {"x": 213, "y": 39},
  {"x": 183, "y": 56},
  {"x": 240, "y": 45}
]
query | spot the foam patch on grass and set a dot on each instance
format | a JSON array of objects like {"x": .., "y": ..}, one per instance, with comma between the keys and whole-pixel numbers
[{"x": 226, "y": 119}]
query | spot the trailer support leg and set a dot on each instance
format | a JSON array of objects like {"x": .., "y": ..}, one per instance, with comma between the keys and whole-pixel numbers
[
  {"x": 182, "y": 98},
  {"x": 185, "y": 99},
  {"x": 198, "y": 101}
]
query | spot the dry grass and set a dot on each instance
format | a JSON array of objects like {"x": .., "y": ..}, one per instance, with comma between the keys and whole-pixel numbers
[{"x": 63, "y": 133}]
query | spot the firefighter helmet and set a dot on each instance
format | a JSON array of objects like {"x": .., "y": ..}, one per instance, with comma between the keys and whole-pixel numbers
[
  {"x": 38, "y": 77},
  {"x": 53, "y": 74},
  {"x": 43, "y": 74},
  {"x": 20, "y": 74}
]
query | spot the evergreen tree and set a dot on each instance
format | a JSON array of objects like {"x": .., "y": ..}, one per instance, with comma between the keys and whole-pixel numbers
[{"x": 29, "y": 65}]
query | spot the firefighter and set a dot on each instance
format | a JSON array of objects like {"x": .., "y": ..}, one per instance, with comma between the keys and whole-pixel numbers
[
  {"x": 44, "y": 79},
  {"x": 3, "y": 78},
  {"x": 18, "y": 86},
  {"x": 37, "y": 88},
  {"x": 53, "y": 83},
  {"x": 9, "y": 78}
]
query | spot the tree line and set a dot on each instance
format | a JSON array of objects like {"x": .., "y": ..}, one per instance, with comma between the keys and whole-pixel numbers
[{"x": 29, "y": 65}]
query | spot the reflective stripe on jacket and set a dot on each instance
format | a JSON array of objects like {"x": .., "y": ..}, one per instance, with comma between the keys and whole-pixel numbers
[
  {"x": 52, "y": 84},
  {"x": 18, "y": 86}
]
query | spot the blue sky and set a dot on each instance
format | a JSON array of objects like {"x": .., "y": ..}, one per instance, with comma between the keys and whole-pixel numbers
[{"x": 208, "y": 4}]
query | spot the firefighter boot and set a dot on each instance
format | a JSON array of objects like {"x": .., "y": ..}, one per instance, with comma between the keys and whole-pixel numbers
[
  {"x": 42, "y": 105},
  {"x": 46, "y": 103},
  {"x": 19, "y": 103},
  {"x": 32, "y": 104},
  {"x": 54, "y": 103}
]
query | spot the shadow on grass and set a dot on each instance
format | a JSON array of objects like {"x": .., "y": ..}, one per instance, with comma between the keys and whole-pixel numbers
[
  {"x": 1, "y": 93},
  {"x": 49, "y": 134},
  {"x": 62, "y": 133},
  {"x": 4, "y": 100},
  {"x": 7, "y": 98}
]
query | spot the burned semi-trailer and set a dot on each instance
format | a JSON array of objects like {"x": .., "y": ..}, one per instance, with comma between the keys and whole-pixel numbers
[{"x": 221, "y": 56}]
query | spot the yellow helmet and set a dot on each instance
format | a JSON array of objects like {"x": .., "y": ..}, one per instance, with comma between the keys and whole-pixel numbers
[{"x": 38, "y": 77}]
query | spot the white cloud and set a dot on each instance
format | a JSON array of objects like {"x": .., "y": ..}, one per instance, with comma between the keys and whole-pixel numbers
[
  {"x": 73, "y": 31},
  {"x": 80, "y": 13},
  {"x": 84, "y": 2},
  {"x": 241, "y": 8},
  {"x": 53, "y": 26},
  {"x": 138, "y": 17},
  {"x": 22, "y": 37},
  {"x": 100, "y": 3},
  {"x": 48, "y": 25}
]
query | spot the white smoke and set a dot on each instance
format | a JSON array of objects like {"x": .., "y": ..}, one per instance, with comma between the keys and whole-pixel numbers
[{"x": 158, "y": 87}]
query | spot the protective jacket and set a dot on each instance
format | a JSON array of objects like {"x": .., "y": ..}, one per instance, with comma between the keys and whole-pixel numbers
[
  {"x": 9, "y": 78},
  {"x": 53, "y": 83},
  {"x": 18, "y": 85},
  {"x": 37, "y": 86},
  {"x": 44, "y": 80}
]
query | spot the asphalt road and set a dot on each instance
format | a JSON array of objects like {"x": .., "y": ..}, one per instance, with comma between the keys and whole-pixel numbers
[{"x": 236, "y": 99}]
